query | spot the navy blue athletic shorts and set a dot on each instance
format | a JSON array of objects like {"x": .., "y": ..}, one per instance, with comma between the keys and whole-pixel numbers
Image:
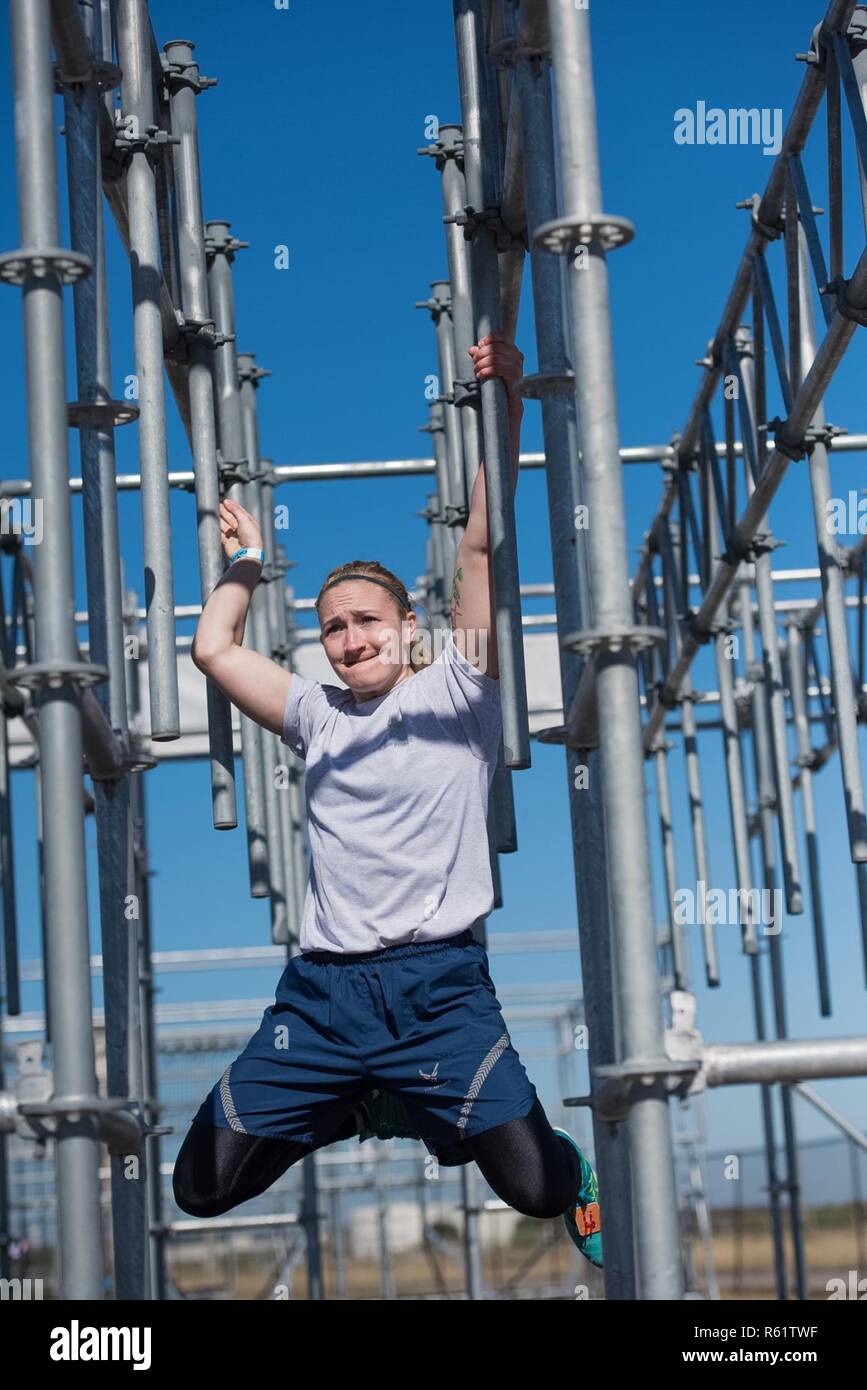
[{"x": 420, "y": 1020}]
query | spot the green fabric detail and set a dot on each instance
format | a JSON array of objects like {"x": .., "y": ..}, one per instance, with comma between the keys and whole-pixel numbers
[{"x": 388, "y": 1118}]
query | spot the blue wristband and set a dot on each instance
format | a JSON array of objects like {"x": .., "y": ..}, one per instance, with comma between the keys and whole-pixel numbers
[{"x": 248, "y": 552}]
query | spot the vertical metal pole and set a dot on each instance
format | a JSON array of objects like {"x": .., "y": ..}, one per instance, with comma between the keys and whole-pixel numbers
[
  {"x": 311, "y": 1221},
  {"x": 454, "y": 497},
  {"x": 633, "y": 937},
  {"x": 5, "y": 1232},
  {"x": 150, "y": 1078},
  {"x": 184, "y": 84},
  {"x": 297, "y": 797},
  {"x": 699, "y": 834},
  {"x": 134, "y": 57},
  {"x": 751, "y": 947},
  {"x": 448, "y": 152},
  {"x": 339, "y": 1244},
  {"x": 798, "y": 691},
  {"x": 574, "y": 610},
  {"x": 275, "y": 594},
  {"x": 675, "y": 605},
  {"x": 758, "y": 672},
  {"x": 502, "y": 826},
  {"x": 96, "y": 416},
  {"x": 386, "y": 1273},
  {"x": 679, "y": 959},
  {"x": 833, "y": 596},
  {"x": 856, "y": 36},
  {"x": 725, "y": 652},
  {"x": 763, "y": 545},
  {"x": 436, "y": 596},
  {"x": 480, "y": 145},
  {"x": 693, "y": 776},
  {"x": 11, "y": 968},
  {"x": 221, "y": 248},
  {"x": 66, "y": 925},
  {"x": 276, "y": 807},
  {"x": 472, "y": 1245}
]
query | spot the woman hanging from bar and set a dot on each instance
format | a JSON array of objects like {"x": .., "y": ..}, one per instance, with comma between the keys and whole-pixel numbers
[{"x": 387, "y": 1020}]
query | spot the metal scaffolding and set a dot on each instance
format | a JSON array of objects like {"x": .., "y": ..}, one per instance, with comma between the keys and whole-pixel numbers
[{"x": 519, "y": 181}]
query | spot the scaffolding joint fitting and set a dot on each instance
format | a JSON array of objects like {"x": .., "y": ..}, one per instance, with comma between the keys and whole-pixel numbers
[
  {"x": 814, "y": 54},
  {"x": 736, "y": 552},
  {"x": 770, "y": 231},
  {"x": 760, "y": 543},
  {"x": 851, "y": 560},
  {"x": 720, "y": 627},
  {"x": 456, "y": 515},
  {"x": 603, "y": 230},
  {"x": 441, "y": 152},
  {"x": 252, "y": 373},
  {"x": 431, "y": 513},
  {"x": 793, "y": 449},
  {"x": 765, "y": 543},
  {"x": 699, "y": 634},
  {"x": 100, "y": 415},
  {"x": 466, "y": 391},
  {"x": 192, "y": 330},
  {"x": 233, "y": 471},
  {"x": 505, "y": 53},
  {"x": 822, "y": 434},
  {"x": 17, "y": 267},
  {"x": 226, "y": 247},
  {"x": 435, "y": 424},
  {"x": 621, "y": 1085},
  {"x": 101, "y": 75},
  {"x": 436, "y": 307},
  {"x": 669, "y": 699},
  {"x": 615, "y": 639},
  {"x": 55, "y": 674},
  {"x": 839, "y": 288},
  {"x": 693, "y": 697},
  {"x": 35, "y": 1112},
  {"x": 137, "y": 760},
  {"x": 660, "y": 744},
  {"x": 179, "y": 75},
  {"x": 472, "y": 219},
  {"x": 129, "y": 138},
  {"x": 544, "y": 385}
]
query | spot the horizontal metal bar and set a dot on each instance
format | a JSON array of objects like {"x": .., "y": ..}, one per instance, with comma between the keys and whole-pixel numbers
[
  {"x": 406, "y": 468},
  {"x": 795, "y": 1059},
  {"x": 265, "y": 957},
  {"x": 228, "y": 1223},
  {"x": 301, "y": 605}
]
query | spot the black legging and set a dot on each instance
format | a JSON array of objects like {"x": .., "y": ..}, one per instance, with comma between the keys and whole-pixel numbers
[{"x": 529, "y": 1167}]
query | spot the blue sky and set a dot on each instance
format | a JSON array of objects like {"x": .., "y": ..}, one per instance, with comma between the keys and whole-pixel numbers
[{"x": 310, "y": 140}]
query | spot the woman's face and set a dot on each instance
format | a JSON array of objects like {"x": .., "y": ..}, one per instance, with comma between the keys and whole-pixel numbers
[{"x": 360, "y": 629}]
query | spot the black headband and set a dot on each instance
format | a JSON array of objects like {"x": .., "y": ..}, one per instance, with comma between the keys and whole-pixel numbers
[{"x": 371, "y": 578}]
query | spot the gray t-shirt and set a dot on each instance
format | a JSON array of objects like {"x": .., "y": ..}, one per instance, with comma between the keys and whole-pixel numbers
[{"x": 397, "y": 795}]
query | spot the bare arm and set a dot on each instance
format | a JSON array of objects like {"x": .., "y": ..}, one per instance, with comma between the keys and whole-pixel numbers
[
  {"x": 472, "y": 587},
  {"x": 255, "y": 683}
]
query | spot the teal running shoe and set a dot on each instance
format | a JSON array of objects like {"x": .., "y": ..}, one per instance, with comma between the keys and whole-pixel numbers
[{"x": 583, "y": 1221}]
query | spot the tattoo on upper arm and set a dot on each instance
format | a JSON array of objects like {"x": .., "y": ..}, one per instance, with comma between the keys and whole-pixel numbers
[{"x": 456, "y": 592}]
